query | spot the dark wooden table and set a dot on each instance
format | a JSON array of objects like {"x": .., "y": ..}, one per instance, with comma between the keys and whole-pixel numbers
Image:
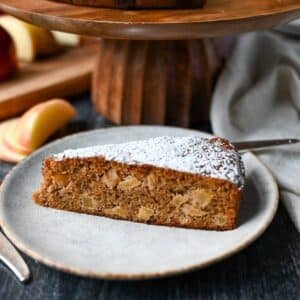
[{"x": 268, "y": 269}]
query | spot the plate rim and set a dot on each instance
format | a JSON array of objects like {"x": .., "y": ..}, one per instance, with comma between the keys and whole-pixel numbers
[{"x": 123, "y": 276}]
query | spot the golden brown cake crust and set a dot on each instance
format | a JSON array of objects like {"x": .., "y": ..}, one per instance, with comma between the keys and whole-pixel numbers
[
  {"x": 134, "y": 4},
  {"x": 141, "y": 193}
]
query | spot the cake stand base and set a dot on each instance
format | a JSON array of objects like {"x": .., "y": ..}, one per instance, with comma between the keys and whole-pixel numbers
[{"x": 155, "y": 82}]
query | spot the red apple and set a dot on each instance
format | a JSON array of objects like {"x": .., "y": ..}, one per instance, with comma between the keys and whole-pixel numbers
[{"x": 8, "y": 57}]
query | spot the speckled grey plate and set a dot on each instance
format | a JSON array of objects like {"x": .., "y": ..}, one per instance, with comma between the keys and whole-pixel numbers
[{"x": 101, "y": 247}]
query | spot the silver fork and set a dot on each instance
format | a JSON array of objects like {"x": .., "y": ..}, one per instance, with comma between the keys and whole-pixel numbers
[
  {"x": 262, "y": 144},
  {"x": 13, "y": 260}
]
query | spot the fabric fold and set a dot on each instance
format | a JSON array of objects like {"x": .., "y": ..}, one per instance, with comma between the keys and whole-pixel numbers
[{"x": 258, "y": 97}]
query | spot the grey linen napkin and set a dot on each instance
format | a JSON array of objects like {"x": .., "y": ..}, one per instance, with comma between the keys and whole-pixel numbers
[{"x": 258, "y": 97}]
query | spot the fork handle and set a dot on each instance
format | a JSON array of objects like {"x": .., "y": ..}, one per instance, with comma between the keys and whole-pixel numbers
[
  {"x": 12, "y": 258},
  {"x": 253, "y": 145}
]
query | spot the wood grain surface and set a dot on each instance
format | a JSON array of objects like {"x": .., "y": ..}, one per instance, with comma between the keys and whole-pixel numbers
[
  {"x": 268, "y": 269},
  {"x": 66, "y": 74},
  {"x": 218, "y": 17}
]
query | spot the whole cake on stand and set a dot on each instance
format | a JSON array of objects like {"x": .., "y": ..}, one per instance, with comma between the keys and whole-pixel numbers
[{"x": 155, "y": 66}]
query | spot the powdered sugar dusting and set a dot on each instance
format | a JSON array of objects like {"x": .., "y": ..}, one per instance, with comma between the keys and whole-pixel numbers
[{"x": 208, "y": 157}]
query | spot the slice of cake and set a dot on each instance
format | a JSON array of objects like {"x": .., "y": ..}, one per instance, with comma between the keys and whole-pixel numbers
[
  {"x": 134, "y": 4},
  {"x": 188, "y": 182}
]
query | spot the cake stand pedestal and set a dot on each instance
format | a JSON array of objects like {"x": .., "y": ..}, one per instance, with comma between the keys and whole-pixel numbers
[
  {"x": 156, "y": 66},
  {"x": 155, "y": 82}
]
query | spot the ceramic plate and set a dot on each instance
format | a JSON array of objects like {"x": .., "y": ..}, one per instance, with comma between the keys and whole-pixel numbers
[{"x": 105, "y": 248}]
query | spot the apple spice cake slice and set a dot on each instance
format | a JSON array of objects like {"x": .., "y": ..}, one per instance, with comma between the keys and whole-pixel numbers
[{"x": 187, "y": 182}]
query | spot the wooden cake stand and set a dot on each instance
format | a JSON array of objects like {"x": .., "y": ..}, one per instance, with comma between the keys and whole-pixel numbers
[{"x": 156, "y": 66}]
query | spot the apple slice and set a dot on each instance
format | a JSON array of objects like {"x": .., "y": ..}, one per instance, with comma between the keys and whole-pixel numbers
[
  {"x": 21, "y": 136},
  {"x": 9, "y": 139},
  {"x": 31, "y": 41},
  {"x": 6, "y": 153},
  {"x": 67, "y": 39},
  {"x": 39, "y": 123}
]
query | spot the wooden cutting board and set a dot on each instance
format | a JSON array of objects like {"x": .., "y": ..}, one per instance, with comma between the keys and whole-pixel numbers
[{"x": 63, "y": 75}]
